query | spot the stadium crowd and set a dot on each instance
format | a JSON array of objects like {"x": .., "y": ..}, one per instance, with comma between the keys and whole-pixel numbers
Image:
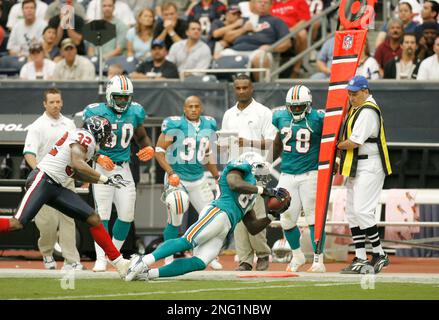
[{"x": 155, "y": 37}]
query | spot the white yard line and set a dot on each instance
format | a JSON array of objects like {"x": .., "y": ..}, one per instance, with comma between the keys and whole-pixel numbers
[{"x": 134, "y": 294}]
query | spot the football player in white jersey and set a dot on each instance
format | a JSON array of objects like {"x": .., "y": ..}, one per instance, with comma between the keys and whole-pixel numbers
[{"x": 68, "y": 159}]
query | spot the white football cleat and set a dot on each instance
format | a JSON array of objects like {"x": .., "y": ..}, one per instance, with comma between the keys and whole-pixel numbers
[
  {"x": 215, "y": 264},
  {"x": 296, "y": 262},
  {"x": 317, "y": 265},
  {"x": 49, "y": 262},
  {"x": 136, "y": 266},
  {"x": 169, "y": 260},
  {"x": 100, "y": 265},
  {"x": 144, "y": 275},
  {"x": 121, "y": 266}
]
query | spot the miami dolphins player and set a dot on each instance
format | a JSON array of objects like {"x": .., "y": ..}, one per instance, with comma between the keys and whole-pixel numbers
[
  {"x": 237, "y": 196},
  {"x": 126, "y": 118},
  {"x": 298, "y": 142},
  {"x": 183, "y": 151}
]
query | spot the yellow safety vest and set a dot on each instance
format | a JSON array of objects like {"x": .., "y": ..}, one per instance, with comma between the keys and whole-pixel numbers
[{"x": 349, "y": 158}]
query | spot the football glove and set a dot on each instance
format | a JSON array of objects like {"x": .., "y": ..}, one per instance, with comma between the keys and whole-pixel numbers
[
  {"x": 173, "y": 179},
  {"x": 145, "y": 154},
  {"x": 117, "y": 181},
  {"x": 105, "y": 162}
]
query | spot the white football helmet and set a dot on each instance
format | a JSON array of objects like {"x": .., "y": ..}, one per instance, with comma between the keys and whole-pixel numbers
[
  {"x": 281, "y": 251},
  {"x": 177, "y": 203},
  {"x": 260, "y": 167},
  {"x": 119, "y": 93},
  {"x": 298, "y": 102}
]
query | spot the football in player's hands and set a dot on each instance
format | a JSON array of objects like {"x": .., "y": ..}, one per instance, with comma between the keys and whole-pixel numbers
[{"x": 280, "y": 202}]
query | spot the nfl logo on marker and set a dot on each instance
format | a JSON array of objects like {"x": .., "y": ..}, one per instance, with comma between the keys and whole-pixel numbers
[{"x": 347, "y": 42}]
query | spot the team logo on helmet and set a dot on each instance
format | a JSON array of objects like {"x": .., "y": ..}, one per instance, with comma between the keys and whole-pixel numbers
[{"x": 100, "y": 128}]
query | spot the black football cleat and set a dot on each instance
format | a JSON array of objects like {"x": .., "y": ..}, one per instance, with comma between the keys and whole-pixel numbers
[
  {"x": 358, "y": 266},
  {"x": 379, "y": 261}
]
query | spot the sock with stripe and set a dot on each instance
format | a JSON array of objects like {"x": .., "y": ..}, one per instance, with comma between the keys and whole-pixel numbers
[
  {"x": 359, "y": 238},
  {"x": 100, "y": 254},
  {"x": 293, "y": 237},
  {"x": 4, "y": 225},
  {"x": 314, "y": 245},
  {"x": 170, "y": 247},
  {"x": 170, "y": 232},
  {"x": 120, "y": 232},
  {"x": 102, "y": 238},
  {"x": 374, "y": 238},
  {"x": 179, "y": 267}
]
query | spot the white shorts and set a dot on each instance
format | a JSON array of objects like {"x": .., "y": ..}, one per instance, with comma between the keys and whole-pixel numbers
[
  {"x": 207, "y": 235},
  {"x": 363, "y": 193},
  {"x": 302, "y": 188},
  {"x": 124, "y": 198}
]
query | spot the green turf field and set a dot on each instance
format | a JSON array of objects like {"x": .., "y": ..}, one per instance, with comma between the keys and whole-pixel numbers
[{"x": 94, "y": 289}]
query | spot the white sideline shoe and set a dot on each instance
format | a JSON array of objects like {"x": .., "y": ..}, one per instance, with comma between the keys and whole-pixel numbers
[
  {"x": 216, "y": 265},
  {"x": 122, "y": 266},
  {"x": 49, "y": 262},
  {"x": 100, "y": 265},
  {"x": 317, "y": 265},
  {"x": 136, "y": 266},
  {"x": 296, "y": 262}
]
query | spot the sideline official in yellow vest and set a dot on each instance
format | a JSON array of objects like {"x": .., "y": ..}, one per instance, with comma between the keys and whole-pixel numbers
[{"x": 365, "y": 162}]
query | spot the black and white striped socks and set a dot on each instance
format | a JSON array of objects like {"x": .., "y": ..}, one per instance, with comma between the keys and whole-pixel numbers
[
  {"x": 359, "y": 238},
  {"x": 374, "y": 238}
]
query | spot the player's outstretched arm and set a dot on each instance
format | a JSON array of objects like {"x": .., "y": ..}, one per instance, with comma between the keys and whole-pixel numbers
[
  {"x": 237, "y": 183},
  {"x": 80, "y": 166},
  {"x": 253, "y": 224}
]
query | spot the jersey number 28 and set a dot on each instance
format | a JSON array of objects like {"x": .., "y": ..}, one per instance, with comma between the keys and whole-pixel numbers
[{"x": 303, "y": 138}]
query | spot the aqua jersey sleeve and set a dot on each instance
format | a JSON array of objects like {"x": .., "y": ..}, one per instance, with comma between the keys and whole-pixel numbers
[
  {"x": 170, "y": 123},
  {"x": 212, "y": 123},
  {"x": 89, "y": 111},
  {"x": 139, "y": 114}
]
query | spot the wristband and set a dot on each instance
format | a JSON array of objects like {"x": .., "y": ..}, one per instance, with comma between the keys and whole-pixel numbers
[
  {"x": 271, "y": 217},
  {"x": 260, "y": 189},
  {"x": 159, "y": 149},
  {"x": 103, "y": 179}
]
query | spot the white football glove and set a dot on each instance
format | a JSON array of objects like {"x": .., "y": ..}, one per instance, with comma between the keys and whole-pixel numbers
[{"x": 117, "y": 181}]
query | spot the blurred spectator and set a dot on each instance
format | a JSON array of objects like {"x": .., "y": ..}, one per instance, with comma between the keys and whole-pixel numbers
[
  {"x": 256, "y": 36},
  {"x": 73, "y": 66},
  {"x": 137, "y": 5},
  {"x": 50, "y": 48},
  {"x": 63, "y": 32},
  {"x": 159, "y": 68},
  {"x": 54, "y": 9},
  {"x": 171, "y": 28},
  {"x": 191, "y": 53},
  {"x": 405, "y": 14},
  {"x": 38, "y": 68},
  {"x": 5, "y": 8},
  {"x": 114, "y": 70},
  {"x": 324, "y": 60},
  {"x": 139, "y": 37},
  {"x": 429, "y": 69},
  {"x": 294, "y": 12},
  {"x": 122, "y": 12},
  {"x": 2, "y": 35},
  {"x": 407, "y": 66},
  {"x": 368, "y": 67},
  {"x": 182, "y": 7},
  {"x": 391, "y": 47},
  {"x": 206, "y": 11},
  {"x": 16, "y": 14},
  {"x": 426, "y": 42},
  {"x": 220, "y": 27},
  {"x": 116, "y": 46},
  {"x": 25, "y": 32},
  {"x": 429, "y": 13}
]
